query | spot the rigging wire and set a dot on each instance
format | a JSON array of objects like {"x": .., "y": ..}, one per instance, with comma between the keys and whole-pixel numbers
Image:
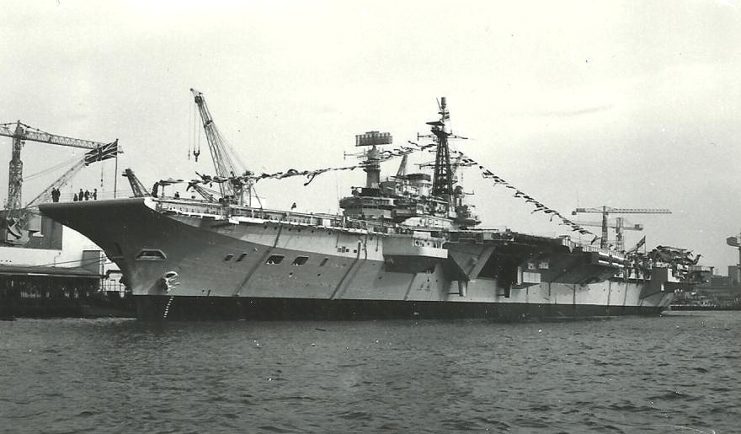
[{"x": 52, "y": 168}]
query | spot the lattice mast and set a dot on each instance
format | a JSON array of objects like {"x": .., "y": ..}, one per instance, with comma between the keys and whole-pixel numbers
[{"x": 442, "y": 181}]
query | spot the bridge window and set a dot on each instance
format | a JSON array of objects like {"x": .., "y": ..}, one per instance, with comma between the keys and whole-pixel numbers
[{"x": 275, "y": 259}]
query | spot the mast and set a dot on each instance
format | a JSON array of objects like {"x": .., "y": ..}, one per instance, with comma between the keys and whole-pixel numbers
[{"x": 442, "y": 182}]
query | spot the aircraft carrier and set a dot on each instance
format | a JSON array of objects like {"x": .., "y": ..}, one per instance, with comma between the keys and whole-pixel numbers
[{"x": 405, "y": 246}]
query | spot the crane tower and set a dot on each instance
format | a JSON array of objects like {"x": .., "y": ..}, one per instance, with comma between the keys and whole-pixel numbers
[
  {"x": 20, "y": 133},
  {"x": 607, "y": 210}
]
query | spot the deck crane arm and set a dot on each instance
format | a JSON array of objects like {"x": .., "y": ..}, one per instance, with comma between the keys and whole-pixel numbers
[
  {"x": 204, "y": 192},
  {"x": 606, "y": 210},
  {"x": 137, "y": 188},
  {"x": 223, "y": 162}
]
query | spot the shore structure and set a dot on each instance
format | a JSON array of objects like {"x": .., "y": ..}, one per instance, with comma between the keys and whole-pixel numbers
[{"x": 47, "y": 270}]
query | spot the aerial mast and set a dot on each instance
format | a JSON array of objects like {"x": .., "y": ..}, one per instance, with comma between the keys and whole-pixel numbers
[{"x": 442, "y": 181}]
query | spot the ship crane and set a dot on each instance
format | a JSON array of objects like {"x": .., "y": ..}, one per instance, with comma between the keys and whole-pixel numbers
[
  {"x": 222, "y": 157},
  {"x": 20, "y": 133},
  {"x": 137, "y": 188},
  {"x": 607, "y": 210}
]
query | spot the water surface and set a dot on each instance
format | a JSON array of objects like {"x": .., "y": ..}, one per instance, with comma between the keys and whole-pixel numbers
[{"x": 677, "y": 373}]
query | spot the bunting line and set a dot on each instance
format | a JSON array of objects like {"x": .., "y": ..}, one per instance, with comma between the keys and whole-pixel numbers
[
  {"x": 539, "y": 207},
  {"x": 464, "y": 161}
]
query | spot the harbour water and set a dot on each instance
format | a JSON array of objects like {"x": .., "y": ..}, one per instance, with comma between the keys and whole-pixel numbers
[{"x": 676, "y": 373}]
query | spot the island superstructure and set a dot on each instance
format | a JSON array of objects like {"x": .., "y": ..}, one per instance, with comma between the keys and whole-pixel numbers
[{"x": 405, "y": 246}]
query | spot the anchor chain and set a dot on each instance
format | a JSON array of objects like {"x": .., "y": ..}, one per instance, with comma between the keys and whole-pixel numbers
[{"x": 167, "y": 307}]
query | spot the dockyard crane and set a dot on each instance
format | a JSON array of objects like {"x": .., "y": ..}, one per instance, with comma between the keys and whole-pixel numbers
[
  {"x": 607, "y": 210},
  {"x": 223, "y": 157},
  {"x": 20, "y": 133},
  {"x": 619, "y": 225}
]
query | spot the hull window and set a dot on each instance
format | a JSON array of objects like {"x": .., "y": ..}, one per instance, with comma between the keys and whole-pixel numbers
[
  {"x": 324, "y": 261},
  {"x": 300, "y": 260},
  {"x": 240, "y": 257},
  {"x": 228, "y": 257},
  {"x": 275, "y": 259}
]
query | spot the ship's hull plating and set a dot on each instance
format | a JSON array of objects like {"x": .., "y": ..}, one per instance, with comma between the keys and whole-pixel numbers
[
  {"x": 286, "y": 309},
  {"x": 184, "y": 266}
]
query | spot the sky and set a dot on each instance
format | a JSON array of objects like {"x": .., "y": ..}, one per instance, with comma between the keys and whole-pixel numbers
[{"x": 578, "y": 104}]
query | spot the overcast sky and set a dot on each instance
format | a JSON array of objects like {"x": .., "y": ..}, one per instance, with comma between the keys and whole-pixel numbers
[{"x": 627, "y": 104}]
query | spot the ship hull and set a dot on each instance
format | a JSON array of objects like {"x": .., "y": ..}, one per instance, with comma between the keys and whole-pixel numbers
[
  {"x": 180, "y": 264},
  {"x": 287, "y": 309}
]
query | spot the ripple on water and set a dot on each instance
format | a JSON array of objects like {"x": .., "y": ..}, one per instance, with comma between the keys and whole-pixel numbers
[{"x": 670, "y": 374}]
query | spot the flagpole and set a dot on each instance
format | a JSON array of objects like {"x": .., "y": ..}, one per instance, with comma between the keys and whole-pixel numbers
[{"x": 115, "y": 173}]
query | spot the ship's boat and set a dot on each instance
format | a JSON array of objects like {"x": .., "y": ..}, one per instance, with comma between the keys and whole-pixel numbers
[{"x": 404, "y": 247}]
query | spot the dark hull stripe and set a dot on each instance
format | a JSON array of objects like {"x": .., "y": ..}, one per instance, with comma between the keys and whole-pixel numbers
[{"x": 234, "y": 308}]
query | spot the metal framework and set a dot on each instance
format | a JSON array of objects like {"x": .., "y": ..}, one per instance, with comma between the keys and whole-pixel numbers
[
  {"x": 606, "y": 210},
  {"x": 224, "y": 165},
  {"x": 137, "y": 188},
  {"x": 20, "y": 133}
]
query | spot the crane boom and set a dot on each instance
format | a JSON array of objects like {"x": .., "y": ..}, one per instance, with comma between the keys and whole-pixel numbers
[
  {"x": 607, "y": 209},
  {"x": 45, "y": 195},
  {"x": 137, "y": 188},
  {"x": 223, "y": 164},
  {"x": 26, "y": 132}
]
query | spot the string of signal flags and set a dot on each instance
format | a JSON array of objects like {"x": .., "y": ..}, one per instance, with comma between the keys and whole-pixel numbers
[{"x": 463, "y": 161}]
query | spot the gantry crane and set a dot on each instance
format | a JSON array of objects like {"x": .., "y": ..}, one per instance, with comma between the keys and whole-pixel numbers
[
  {"x": 20, "y": 133},
  {"x": 223, "y": 157},
  {"x": 607, "y": 210},
  {"x": 619, "y": 225}
]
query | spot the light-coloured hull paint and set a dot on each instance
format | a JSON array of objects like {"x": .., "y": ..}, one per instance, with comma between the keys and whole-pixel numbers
[{"x": 206, "y": 257}]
